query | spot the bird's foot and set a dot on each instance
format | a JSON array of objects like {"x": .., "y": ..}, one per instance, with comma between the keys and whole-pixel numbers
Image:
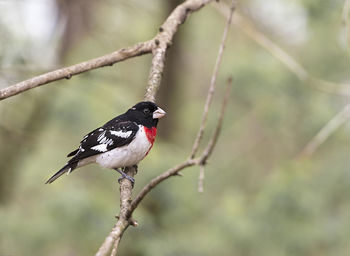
[
  {"x": 125, "y": 176},
  {"x": 132, "y": 180}
]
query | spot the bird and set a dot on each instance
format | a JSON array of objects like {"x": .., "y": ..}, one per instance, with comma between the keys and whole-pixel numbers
[{"x": 121, "y": 142}]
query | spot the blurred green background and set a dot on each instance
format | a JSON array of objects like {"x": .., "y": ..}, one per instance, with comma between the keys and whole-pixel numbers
[{"x": 258, "y": 198}]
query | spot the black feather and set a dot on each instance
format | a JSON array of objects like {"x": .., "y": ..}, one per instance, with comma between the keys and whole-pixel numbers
[
  {"x": 64, "y": 169},
  {"x": 73, "y": 153}
]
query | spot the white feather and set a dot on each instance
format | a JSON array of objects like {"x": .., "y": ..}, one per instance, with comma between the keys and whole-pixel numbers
[
  {"x": 101, "y": 136},
  {"x": 101, "y": 148},
  {"x": 121, "y": 133}
]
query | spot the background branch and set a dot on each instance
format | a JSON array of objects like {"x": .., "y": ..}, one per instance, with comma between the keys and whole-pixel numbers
[
  {"x": 333, "y": 125},
  {"x": 284, "y": 57},
  {"x": 303, "y": 75},
  {"x": 113, "y": 239},
  {"x": 346, "y": 22}
]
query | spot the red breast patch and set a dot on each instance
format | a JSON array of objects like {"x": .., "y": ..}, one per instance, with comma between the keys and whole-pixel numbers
[{"x": 151, "y": 134}]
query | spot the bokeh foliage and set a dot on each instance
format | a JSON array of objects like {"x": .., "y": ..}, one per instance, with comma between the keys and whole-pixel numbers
[{"x": 258, "y": 200}]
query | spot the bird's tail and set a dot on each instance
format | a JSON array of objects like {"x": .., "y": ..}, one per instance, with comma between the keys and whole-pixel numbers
[{"x": 67, "y": 168}]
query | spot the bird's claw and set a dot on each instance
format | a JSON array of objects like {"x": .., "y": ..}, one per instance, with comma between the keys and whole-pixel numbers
[
  {"x": 131, "y": 179},
  {"x": 125, "y": 176}
]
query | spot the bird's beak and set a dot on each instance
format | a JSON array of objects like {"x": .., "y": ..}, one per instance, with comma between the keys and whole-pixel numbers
[{"x": 159, "y": 113}]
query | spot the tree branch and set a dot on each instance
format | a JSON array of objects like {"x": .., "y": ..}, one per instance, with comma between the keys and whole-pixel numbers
[
  {"x": 209, "y": 149},
  {"x": 346, "y": 22},
  {"x": 201, "y": 179},
  {"x": 68, "y": 72},
  {"x": 113, "y": 239},
  {"x": 154, "y": 182},
  {"x": 163, "y": 40},
  {"x": 115, "y": 247}
]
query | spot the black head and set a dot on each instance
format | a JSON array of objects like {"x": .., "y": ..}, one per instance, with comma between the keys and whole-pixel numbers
[{"x": 146, "y": 113}]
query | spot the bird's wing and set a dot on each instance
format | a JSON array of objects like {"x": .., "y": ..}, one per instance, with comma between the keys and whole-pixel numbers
[
  {"x": 104, "y": 139},
  {"x": 86, "y": 136}
]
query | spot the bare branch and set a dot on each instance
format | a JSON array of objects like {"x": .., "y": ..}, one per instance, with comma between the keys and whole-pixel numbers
[
  {"x": 211, "y": 144},
  {"x": 213, "y": 82},
  {"x": 201, "y": 179},
  {"x": 156, "y": 72},
  {"x": 154, "y": 182},
  {"x": 68, "y": 72},
  {"x": 123, "y": 221},
  {"x": 285, "y": 58},
  {"x": 333, "y": 125},
  {"x": 163, "y": 40}
]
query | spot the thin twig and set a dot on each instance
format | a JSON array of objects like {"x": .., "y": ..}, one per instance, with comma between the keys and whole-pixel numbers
[
  {"x": 213, "y": 82},
  {"x": 201, "y": 179},
  {"x": 212, "y": 142},
  {"x": 285, "y": 58},
  {"x": 154, "y": 182},
  {"x": 333, "y": 125}
]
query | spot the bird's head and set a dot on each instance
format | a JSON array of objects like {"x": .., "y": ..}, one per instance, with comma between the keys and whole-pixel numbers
[{"x": 146, "y": 113}]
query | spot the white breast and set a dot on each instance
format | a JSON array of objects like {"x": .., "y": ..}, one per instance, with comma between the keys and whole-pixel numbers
[{"x": 127, "y": 155}]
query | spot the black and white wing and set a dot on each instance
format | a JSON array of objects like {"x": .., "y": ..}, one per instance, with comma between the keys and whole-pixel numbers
[
  {"x": 104, "y": 139},
  {"x": 98, "y": 141}
]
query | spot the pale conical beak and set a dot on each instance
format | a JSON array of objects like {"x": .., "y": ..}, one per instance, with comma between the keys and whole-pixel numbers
[{"x": 159, "y": 113}]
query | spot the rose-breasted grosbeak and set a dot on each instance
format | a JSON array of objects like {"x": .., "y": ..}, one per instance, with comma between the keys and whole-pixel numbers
[{"x": 123, "y": 141}]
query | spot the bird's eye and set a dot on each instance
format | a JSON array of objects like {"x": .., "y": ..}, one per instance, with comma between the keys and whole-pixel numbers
[{"x": 146, "y": 111}]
